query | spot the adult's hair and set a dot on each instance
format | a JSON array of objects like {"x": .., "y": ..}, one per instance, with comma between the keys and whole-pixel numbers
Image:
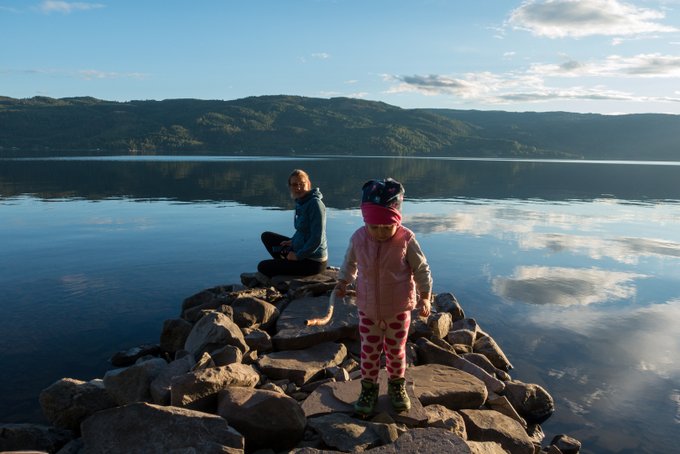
[{"x": 300, "y": 174}]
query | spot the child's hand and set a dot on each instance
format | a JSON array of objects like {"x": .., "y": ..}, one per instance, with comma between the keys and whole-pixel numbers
[
  {"x": 425, "y": 306},
  {"x": 341, "y": 289}
]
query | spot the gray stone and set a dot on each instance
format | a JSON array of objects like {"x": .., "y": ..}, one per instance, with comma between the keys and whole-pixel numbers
[
  {"x": 213, "y": 331},
  {"x": 301, "y": 365},
  {"x": 461, "y": 336},
  {"x": 489, "y": 348},
  {"x": 425, "y": 441},
  {"x": 447, "y": 302},
  {"x": 160, "y": 386},
  {"x": 447, "y": 386},
  {"x": 440, "y": 324},
  {"x": 532, "y": 402},
  {"x": 489, "y": 425},
  {"x": 142, "y": 428},
  {"x": 345, "y": 433},
  {"x": 266, "y": 419},
  {"x": 174, "y": 334},
  {"x": 250, "y": 311},
  {"x": 486, "y": 447},
  {"x": 259, "y": 341},
  {"x": 67, "y": 402},
  {"x": 132, "y": 384},
  {"x": 198, "y": 390},
  {"x": 566, "y": 444},
  {"x": 430, "y": 353},
  {"x": 445, "y": 418},
  {"x": 32, "y": 437},
  {"x": 502, "y": 405},
  {"x": 292, "y": 332}
]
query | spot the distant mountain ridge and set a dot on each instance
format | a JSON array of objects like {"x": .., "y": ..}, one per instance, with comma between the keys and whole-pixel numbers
[{"x": 275, "y": 125}]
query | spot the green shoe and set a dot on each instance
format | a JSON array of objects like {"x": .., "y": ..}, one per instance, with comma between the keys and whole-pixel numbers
[
  {"x": 367, "y": 399},
  {"x": 397, "y": 391}
]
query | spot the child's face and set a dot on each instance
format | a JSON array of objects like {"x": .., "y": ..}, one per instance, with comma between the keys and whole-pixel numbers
[{"x": 381, "y": 232}]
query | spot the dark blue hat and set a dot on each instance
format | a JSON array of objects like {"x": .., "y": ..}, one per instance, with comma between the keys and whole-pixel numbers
[{"x": 386, "y": 193}]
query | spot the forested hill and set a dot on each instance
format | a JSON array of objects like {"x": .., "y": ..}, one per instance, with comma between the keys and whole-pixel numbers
[{"x": 275, "y": 125}]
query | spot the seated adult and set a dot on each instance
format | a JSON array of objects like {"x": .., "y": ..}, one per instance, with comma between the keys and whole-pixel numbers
[{"x": 306, "y": 252}]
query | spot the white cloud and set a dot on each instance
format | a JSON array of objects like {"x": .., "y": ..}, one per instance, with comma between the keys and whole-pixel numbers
[
  {"x": 89, "y": 74},
  {"x": 641, "y": 65},
  {"x": 580, "y": 18},
  {"x": 54, "y": 6},
  {"x": 564, "y": 286}
]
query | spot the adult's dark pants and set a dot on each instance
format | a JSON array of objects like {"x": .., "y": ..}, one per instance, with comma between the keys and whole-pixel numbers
[{"x": 279, "y": 265}]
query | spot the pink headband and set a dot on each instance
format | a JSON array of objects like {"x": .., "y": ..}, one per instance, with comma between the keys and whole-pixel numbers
[{"x": 380, "y": 215}]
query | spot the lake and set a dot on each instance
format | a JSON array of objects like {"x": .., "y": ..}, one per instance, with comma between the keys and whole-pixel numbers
[{"x": 572, "y": 267}]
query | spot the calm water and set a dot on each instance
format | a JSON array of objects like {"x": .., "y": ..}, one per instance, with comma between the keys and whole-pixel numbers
[{"x": 572, "y": 267}]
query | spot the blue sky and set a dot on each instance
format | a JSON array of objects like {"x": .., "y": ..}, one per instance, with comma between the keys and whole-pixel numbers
[{"x": 603, "y": 56}]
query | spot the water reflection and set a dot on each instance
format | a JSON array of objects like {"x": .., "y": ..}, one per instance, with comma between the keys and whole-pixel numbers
[{"x": 565, "y": 286}]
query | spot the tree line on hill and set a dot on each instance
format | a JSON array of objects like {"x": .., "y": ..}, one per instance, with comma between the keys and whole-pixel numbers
[{"x": 285, "y": 125}]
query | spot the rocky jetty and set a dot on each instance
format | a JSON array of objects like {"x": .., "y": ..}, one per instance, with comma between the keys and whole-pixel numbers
[{"x": 240, "y": 371}]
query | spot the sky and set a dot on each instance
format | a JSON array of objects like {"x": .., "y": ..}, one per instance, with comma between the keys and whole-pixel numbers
[{"x": 599, "y": 56}]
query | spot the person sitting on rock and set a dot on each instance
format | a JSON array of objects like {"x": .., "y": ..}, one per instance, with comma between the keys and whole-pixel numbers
[
  {"x": 388, "y": 267},
  {"x": 306, "y": 253}
]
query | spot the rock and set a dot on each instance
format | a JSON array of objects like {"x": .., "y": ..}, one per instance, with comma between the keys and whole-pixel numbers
[
  {"x": 160, "y": 386},
  {"x": 174, "y": 334},
  {"x": 489, "y": 425},
  {"x": 440, "y": 324},
  {"x": 447, "y": 302},
  {"x": 566, "y": 444},
  {"x": 301, "y": 365},
  {"x": 250, "y": 311},
  {"x": 425, "y": 441},
  {"x": 32, "y": 437},
  {"x": 266, "y": 419},
  {"x": 198, "y": 390},
  {"x": 226, "y": 355},
  {"x": 147, "y": 428},
  {"x": 430, "y": 353},
  {"x": 67, "y": 402},
  {"x": 531, "y": 401},
  {"x": 486, "y": 447},
  {"x": 259, "y": 341},
  {"x": 444, "y": 418},
  {"x": 292, "y": 333},
  {"x": 129, "y": 357},
  {"x": 489, "y": 348},
  {"x": 132, "y": 384},
  {"x": 447, "y": 386},
  {"x": 344, "y": 433},
  {"x": 502, "y": 405},
  {"x": 461, "y": 336},
  {"x": 213, "y": 331}
]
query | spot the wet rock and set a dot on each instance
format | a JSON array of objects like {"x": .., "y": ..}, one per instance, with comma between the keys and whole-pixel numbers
[
  {"x": 531, "y": 401},
  {"x": 142, "y": 428},
  {"x": 129, "y": 357},
  {"x": 566, "y": 444},
  {"x": 67, "y": 402}
]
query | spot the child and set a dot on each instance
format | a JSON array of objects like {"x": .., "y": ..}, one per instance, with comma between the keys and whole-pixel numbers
[{"x": 388, "y": 265}]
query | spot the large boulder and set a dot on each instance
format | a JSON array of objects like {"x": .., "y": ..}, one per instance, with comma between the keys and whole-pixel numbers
[
  {"x": 292, "y": 331},
  {"x": 67, "y": 402},
  {"x": 345, "y": 433},
  {"x": 299, "y": 366},
  {"x": 489, "y": 425},
  {"x": 212, "y": 331},
  {"x": 198, "y": 390},
  {"x": 447, "y": 386},
  {"x": 266, "y": 419},
  {"x": 142, "y": 428},
  {"x": 133, "y": 384},
  {"x": 531, "y": 401}
]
